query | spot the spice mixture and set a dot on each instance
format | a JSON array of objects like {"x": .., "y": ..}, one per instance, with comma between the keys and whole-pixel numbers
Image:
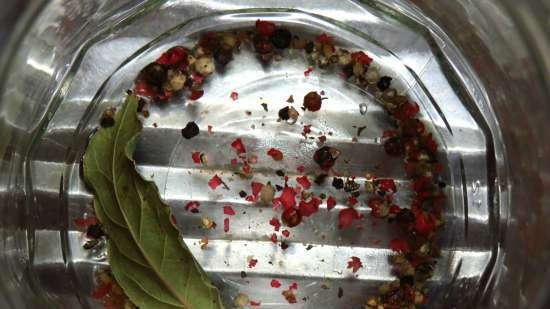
[{"x": 183, "y": 71}]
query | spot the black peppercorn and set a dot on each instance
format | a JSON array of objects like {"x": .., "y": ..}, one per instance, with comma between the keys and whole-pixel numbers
[
  {"x": 94, "y": 231},
  {"x": 309, "y": 47},
  {"x": 384, "y": 83},
  {"x": 223, "y": 56},
  {"x": 154, "y": 74},
  {"x": 242, "y": 194},
  {"x": 409, "y": 280},
  {"x": 284, "y": 245},
  {"x": 191, "y": 130},
  {"x": 281, "y": 38},
  {"x": 351, "y": 186},
  {"x": 262, "y": 44},
  {"x": 280, "y": 173},
  {"x": 394, "y": 146},
  {"x": 278, "y": 187},
  {"x": 405, "y": 216},
  {"x": 320, "y": 179},
  {"x": 338, "y": 183},
  {"x": 347, "y": 70}
]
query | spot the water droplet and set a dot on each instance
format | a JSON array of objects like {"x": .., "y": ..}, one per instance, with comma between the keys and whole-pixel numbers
[
  {"x": 363, "y": 108},
  {"x": 476, "y": 185}
]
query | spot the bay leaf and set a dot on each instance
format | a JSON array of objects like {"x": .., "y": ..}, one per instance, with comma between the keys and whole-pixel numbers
[{"x": 145, "y": 250}]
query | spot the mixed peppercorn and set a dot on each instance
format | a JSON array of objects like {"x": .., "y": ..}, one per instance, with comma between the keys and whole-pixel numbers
[{"x": 180, "y": 70}]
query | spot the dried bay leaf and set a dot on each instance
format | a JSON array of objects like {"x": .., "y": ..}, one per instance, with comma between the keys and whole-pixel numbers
[{"x": 146, "y": 253}]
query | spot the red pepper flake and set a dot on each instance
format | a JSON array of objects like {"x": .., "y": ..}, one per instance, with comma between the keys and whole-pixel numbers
[
  {"x": 323, "y": 38},
  {"x": 234, "y": 96},
  {"x": 400, "y": 245},
  {"x": 385, "y": 185},
  {"x": 307, "y": 130},
  {"x": 355, "y": 264},
  {"x": 288, "y": 197},
  {"x": 308, "y": 71},
  {"x": 173, "y": 220},
  {"x": 252, "y": 263},
  {"x": 304, "y": 182},
  {"x": 255, "y": 303},
  {"x": 228, "y": 210},
  {"x": 276, "y": 154},
  {"x": 275, "y": 283},
  {"x": 250, "y": 198},
  {"x": 322, "y": 139},
  {"x": 196, "y": 94},
  {"x": 306, "y": 209},
  {"x": 196, "y": 156},
  {"x": 155, "y": 125},
  {"x": 234, "y": 162},
  {"x": 214, "y": 182},
  {"x": 275, "y": 223},
  {"x": 274, "y": 238},
  {"x": 264, "y": 27},
  {"x": 289, "y": 296},
  {"x": 361, "y": 57},
  {"x": 256, "y": 188},
  {"x": 226, "y": 225},
  {"x": 331, "y": 202},
  {"x": 293, "y": 286},
  {"x": 101, "y": 290},
  {"x": 197, "y": 78},
  {"x": 192, "y": 206},
  {"x": 346, "y": 217},
  {"x": 238, "y": 145},
  {"x": 352, "y": 201},
  {"x": 253, "y": 159},
  {"x": 246, "y": 168},
  {"x": 85, "y": 222},
  {"x": 210, "y": 130},
  {"x": 286, "y": 233},
  {"x": 301, "y": 169}
]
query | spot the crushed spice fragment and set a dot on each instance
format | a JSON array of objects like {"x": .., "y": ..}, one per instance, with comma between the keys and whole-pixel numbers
[
  {"x": 192, "y": 206},
  {"x": 275, "y": 153},
  {"x": 354, "y": 264},
  {"x": 228, "y": 210}
]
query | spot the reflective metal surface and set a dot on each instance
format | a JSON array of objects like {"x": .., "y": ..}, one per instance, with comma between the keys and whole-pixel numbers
[{"x": 485, "y": 107}]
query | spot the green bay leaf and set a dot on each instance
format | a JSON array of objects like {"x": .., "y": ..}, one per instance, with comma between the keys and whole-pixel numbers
[{"x": 146, "y": 252}]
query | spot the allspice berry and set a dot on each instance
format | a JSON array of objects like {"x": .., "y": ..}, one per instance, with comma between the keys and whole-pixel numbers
[
  {"x": 154, "y": 74},
  {"x": 205, "y": 65},
  {"x": 312, "y": 101}
]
